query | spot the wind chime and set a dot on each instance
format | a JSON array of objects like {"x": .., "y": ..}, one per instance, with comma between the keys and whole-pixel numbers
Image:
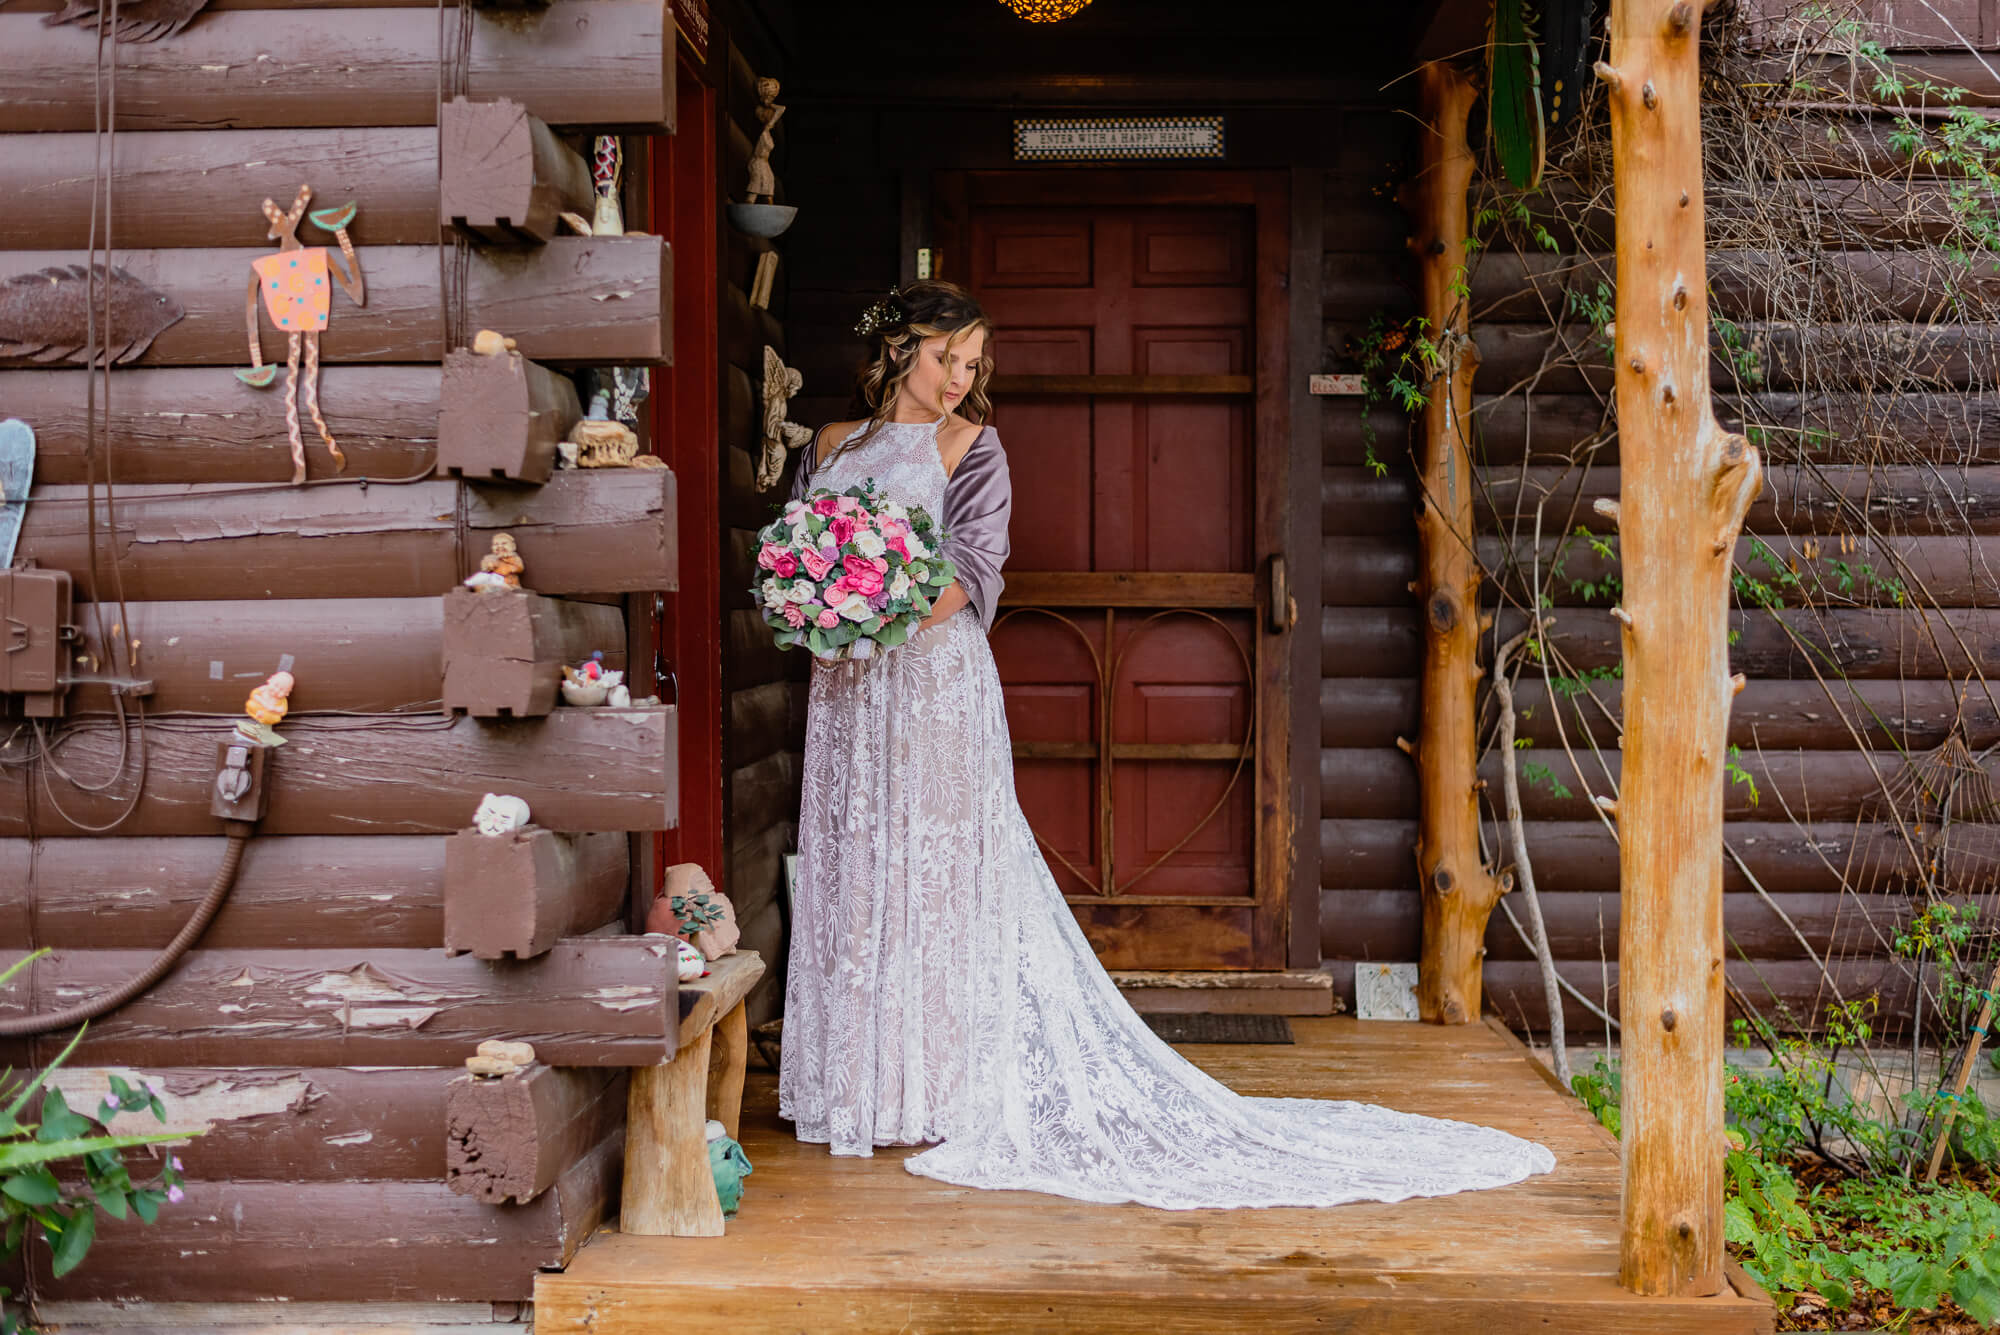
[{"x": 298, "y": 300}]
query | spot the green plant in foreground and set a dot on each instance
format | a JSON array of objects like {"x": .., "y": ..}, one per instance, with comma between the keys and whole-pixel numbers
[{"x": 31, "y": 1195}]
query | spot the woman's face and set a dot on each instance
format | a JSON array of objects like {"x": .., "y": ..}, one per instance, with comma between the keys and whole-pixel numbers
[{"x": 943, "y": 376}]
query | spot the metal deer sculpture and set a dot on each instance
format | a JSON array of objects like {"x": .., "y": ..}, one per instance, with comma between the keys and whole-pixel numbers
[{"x": 292, "y": 282}]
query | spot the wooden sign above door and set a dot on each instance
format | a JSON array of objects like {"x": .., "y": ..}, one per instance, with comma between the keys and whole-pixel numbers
[{"x": 1118, "y": 137}]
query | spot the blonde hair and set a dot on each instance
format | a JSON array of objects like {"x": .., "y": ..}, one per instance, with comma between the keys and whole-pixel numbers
[{"x": 898, "y": 326}]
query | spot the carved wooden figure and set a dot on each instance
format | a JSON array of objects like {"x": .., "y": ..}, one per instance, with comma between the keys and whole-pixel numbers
[
  {"x": 763, "y": 187},
  {"x": 293, "y": 284}
]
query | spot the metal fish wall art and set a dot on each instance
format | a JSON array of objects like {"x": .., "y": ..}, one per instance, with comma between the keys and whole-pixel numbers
[
  {"x": 45, "y": 315},
  {"x": 137, "y": 20}
]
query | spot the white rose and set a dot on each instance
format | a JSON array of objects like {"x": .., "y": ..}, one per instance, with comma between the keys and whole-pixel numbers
[
  {"x": 802, "y": 591},
  {"x": 899, "y": 587},
  {"x": 854, "y": 607},
  {"x": 869, "y": 543},
  {"x": 895, "y": 510},
  {"x": 774, "y": 594},
  {"x": 918, "y": 551},
  {"x": 917, "y": 571}
]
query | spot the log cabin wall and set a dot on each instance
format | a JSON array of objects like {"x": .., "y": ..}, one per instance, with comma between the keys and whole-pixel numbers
[
  {"x": 1806, "y": 830},
  {"x": 312, "y": 1032},
  {"x": 763, "y": 688}
]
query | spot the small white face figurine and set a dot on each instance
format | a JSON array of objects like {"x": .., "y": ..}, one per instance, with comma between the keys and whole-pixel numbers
[
  {"x": 500, "y": 814},
  {"x": 692, "y": 965}
]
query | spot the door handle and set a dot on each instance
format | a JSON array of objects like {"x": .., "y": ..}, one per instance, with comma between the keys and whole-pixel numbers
[{"x": 1282, "y": 612}]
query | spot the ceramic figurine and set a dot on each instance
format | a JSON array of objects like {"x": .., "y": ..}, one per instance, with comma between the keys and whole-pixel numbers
[
  {"x": 729, "y": 1165},
  {"x": 590, "y": 682},
  {"x": 292, "y": 283},
  {"x": 492, "y": 343},
  {"x": 603, "y": 442},
  {"x": 504, "y": 560},
  {"x": 485, "y": 581},
  {"x": 619, "y": 698},
  {"x": 500, "y": 813},
  {"x": 267, "y": 705},
  {"x": 692, "y": 965},
  {"x": 763, "y": 186}
]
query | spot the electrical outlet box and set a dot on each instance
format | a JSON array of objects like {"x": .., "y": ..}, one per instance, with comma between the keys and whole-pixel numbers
[
  {"x": 241, "y": 790},
  {"x": 36, "y": 635}
]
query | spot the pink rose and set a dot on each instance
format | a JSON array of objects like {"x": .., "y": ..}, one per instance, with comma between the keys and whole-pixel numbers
[
  {"x": 793, "y": 617},
  {"x": 815, "y": 564},
  {"x": 828, "y": 618},
  {"x": 837, "y": 590},
  {"x": 825, "y": 505},
  {"x": 896, "y": 546},
  {"x": 864, "y": 574},
  {"x": 785, "y": 565},
  {"x": 848, "y": 504},
  {"x": 842, "y": 529},
  {"x": 768, "y": 554}
]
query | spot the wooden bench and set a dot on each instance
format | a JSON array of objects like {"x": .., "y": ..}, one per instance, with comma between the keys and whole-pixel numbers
[{"x": 669, "y": 1188}]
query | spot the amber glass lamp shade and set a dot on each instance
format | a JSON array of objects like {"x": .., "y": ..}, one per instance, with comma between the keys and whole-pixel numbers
[{"x": 1045, "y": 11}]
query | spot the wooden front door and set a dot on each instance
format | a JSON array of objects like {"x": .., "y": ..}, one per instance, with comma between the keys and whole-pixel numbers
[{"x": 1139, "y": 389}]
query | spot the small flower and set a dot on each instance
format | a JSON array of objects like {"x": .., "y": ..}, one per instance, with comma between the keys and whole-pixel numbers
[
  {"x": 176, "y": 1195},
  {"x": 802, "y": 591},
  {"x": 825, "y": 505},
  {"x": 842, "y": 529},
  {"x": 869, "y": 543},
  {"x": 175, "y": 1160},
  {"x": 793, "y": 616},
  {"x": 899, "y": 587},
  {"x": 815, "y": 564},
  {"x": 827, "y": 618}
]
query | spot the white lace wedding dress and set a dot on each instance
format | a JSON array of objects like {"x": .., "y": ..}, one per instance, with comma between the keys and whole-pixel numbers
[{"x": 941, "y": 990}]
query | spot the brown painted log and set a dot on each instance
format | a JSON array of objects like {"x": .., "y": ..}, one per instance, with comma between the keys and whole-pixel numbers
[
  {"x": 174, "y": 425},
  {"x": 1867, "y": 643},
  {"x": 201, "y": 187},
  {"x": 1929, "y": 76},
  {"x": 1582, "y": 925},
  {"x": 578, "y": 770},
  {"x": 1784, "y": 858},
  {"x": 598, "y": 530},
  {"x": 1835, "y": 499},
  {"x": 579, "y": 299},
  {"x": 1911, "y": 428},
  {"x": 316, "y": 1124},
  {"x": 1382, "y": 571},
  {"x": 504, "y": 652},
  {"x": 607, "y": 63},
  {"x": 328, "y": 892},
  {"x": 511, "y": 1138},
  {"x": 517, "y": 895},
  {"x": 505, "y": 177},
  {"x": 1791, "y": 993},
  {"x": 1884, "y": 356},
  {"x": 1828, "y": 785},
  {"x": 502, "y": 417},
  {"x": 591, "y": 1001},
  {"x": 306, "y": 1242},
  {"x": 1921, "y": 285}
]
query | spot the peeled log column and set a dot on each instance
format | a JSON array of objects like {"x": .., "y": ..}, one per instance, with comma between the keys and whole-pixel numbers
[
  {"x": 1685, "y": 486},
  {"x": 1459, "y": 889}
]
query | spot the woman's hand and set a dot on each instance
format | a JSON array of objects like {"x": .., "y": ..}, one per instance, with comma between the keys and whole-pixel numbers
[{"x": 951, "y": 601}]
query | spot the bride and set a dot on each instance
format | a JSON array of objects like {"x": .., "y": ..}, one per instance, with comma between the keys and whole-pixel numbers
[{"x": 940, "y": 989}]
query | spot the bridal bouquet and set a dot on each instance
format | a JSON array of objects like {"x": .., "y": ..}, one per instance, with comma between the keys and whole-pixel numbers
[{"x": 843, "y": 572}]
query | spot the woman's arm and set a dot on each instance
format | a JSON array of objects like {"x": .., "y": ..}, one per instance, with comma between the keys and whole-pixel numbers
[{"x": 978, "y": 503}]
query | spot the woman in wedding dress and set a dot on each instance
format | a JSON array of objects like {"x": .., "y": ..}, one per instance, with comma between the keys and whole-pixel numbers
[{"x": 940, "y": 990}]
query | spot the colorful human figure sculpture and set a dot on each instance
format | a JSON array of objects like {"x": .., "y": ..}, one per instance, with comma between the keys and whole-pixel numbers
[{"x": 293, "y": 285}]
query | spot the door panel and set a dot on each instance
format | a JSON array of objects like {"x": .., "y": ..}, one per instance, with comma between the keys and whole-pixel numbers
[{"x": 1134, "y": 633}]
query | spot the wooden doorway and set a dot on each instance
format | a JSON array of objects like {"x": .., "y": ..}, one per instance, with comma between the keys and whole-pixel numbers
[{"x": 1141, "y": 348}]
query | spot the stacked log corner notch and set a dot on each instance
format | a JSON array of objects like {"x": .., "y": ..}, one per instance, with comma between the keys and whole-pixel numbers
[
  {"x": 314, "y": 1031},
  {"x": 1459, "y": 889},
  {"x": 1685, "y": 487}
]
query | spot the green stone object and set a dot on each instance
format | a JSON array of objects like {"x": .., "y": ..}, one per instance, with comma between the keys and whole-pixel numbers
[{"x": 730, "y": 1166}]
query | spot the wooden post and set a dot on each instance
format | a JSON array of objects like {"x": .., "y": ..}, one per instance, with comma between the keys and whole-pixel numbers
[
  {"x": 1685, "y": 486},
  {"x": 1459, "y": 890}
]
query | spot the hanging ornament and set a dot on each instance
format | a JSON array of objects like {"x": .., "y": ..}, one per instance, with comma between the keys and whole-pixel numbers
[{"x": 1046, "y": 11}]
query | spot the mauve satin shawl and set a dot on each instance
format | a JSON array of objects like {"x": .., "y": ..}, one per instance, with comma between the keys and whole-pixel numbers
[{"x": 978, "y": 502}]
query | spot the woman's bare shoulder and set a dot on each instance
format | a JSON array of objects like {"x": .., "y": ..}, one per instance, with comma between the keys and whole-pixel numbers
[
  {"x": 956, "y": 439},
  {"x": 832, "y": 434}
]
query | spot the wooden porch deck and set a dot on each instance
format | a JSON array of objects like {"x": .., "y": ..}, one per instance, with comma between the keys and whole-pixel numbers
[{"x": 825, "y": 1244}]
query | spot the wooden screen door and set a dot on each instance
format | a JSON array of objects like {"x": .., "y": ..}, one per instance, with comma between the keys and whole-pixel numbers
[{"x": 1139, "y": 388}]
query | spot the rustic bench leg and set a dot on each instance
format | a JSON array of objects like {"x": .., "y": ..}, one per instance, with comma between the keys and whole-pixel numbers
[
  {"x": 669, "y": 1187},
  {"x": 726, "y": 1064}
]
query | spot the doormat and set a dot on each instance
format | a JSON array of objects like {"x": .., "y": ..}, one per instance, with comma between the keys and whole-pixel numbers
[{"x": 1208, "y": 1027}]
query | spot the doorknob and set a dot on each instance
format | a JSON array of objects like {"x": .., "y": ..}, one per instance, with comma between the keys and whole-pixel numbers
[{"x": 1282, "y": 611}]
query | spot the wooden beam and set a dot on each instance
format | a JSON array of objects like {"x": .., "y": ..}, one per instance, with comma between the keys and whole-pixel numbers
[
  {"x": 413, "y": 1241},
  {"x": 591, "y": 1001},
  {"x": 586, "y": 300},
  {"x": 1459, "y": 889},
  {"x": 511, "y": 1138},
  {"x": 599, "y": 530},
  {"x": 1685, "y": 486},
  {"x": 502, "y": 417},
  {"x": 1137, "y": 386},
  {"x": 1112, "y": 588},
  {"x": 506, "y": 178},
  {"x": 190, "y": 425},
  {"x": 602, "y": 63},
  {"x": 578, "y": 770},
  {"x": 517, "y": 895}
]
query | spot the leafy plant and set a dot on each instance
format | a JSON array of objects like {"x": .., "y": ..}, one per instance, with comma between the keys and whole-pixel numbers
[{"x": 32, "y": 1195}]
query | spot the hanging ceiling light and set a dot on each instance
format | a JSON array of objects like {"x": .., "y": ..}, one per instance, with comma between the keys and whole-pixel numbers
[{"x": 1045, "y": 11}]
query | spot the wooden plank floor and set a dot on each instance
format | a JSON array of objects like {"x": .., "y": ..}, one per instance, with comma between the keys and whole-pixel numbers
[{"x": 825, "y": 1244}]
